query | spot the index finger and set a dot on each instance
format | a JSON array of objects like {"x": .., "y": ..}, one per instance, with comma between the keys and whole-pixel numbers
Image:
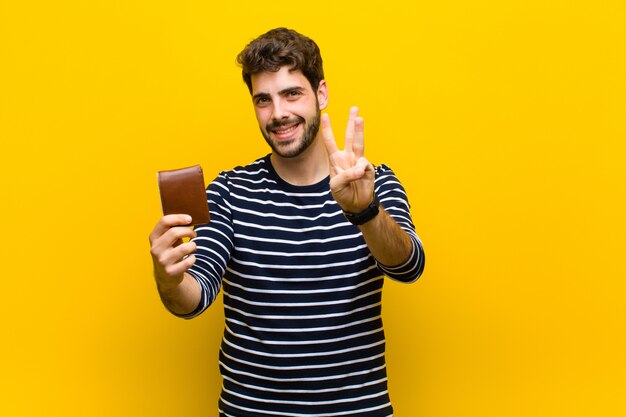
[
  {"x": 327, "y": 135},
  {"x": 169, "y": 221}
]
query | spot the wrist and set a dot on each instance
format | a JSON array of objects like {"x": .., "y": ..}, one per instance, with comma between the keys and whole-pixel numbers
[
  {"x": 167, "y": 284},
  {"x": 365, "y": 215}
]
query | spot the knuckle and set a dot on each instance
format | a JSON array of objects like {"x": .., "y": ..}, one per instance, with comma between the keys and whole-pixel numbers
[
  {"x": 171, "y": 270},
  {"x": 162, "y": 259}
]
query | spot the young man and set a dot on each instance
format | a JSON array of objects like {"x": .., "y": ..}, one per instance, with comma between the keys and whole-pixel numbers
[{"x": 299, "y": 242}]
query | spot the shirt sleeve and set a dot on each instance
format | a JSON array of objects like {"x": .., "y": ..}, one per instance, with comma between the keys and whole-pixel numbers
[
  {"x": 395, "y": 201},
  {"x": 214, "y": 245}
]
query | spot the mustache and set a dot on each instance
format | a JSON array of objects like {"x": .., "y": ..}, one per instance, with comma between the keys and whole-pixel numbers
[{"x": 280, "y": 123}]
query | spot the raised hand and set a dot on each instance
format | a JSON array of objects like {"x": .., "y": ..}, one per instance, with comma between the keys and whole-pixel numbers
[{"x": 351, "y": 175}]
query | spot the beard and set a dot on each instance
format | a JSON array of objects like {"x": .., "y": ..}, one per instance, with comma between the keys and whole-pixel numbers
[{"x": 296, "y": 146}]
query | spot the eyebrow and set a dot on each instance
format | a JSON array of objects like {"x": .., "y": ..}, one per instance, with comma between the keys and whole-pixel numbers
[
  {"x": 290, "y": 89},
  {"x": 280, "y": 93}
]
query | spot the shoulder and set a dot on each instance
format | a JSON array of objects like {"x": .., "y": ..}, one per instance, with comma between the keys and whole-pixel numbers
[
  {"x": 382, "y": 170},
  {"x": 385, "y": 175},
  {"x": 256, "y": 169},
  {"x": 256, "y": 172},
  {"x": 388, "y": 187}
]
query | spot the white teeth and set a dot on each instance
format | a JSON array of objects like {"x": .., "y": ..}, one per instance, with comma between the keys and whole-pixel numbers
[{"x": 288, "y": 130}]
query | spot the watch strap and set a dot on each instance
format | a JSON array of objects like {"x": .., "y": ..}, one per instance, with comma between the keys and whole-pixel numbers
[{"x": 366, "y": 215}]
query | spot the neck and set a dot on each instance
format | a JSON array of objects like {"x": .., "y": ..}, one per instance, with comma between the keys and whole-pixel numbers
[{"x": 310, "y": 167}]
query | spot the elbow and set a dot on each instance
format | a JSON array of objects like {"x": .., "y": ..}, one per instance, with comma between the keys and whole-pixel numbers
[{"x": 412, "y": 269}]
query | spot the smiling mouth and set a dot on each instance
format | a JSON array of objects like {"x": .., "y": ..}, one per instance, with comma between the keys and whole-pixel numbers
[{"x": 286, "y": 130}]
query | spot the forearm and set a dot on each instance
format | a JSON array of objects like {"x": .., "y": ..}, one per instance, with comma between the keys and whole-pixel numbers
[
  {"x": 386, "y": 240},
  {"x": 181, "y": 299}
]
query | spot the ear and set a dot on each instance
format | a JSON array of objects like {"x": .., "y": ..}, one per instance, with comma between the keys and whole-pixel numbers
[{"x": 322, "y": 95}]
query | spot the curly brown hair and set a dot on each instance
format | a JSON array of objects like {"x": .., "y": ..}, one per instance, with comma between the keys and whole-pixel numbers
[{"x": 280, "y": 47}]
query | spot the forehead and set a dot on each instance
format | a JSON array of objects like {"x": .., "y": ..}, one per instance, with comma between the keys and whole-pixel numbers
[{"x": 269, "y": 82}]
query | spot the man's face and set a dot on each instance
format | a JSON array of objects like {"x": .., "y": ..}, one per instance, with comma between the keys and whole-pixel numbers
[{"x": 287, "y": 109}]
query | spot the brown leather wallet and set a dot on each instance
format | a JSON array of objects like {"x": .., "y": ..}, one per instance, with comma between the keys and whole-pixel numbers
[{"x": 183, "y": 192}]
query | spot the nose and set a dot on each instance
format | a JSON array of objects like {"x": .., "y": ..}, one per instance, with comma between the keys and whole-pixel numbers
[{"x": 280, "y": 111}]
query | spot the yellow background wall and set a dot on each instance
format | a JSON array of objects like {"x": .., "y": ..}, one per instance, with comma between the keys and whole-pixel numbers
[{"x": 505, "y": 121}]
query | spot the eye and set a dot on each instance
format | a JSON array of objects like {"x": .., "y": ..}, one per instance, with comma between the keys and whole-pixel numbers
[
  {"x": 261, "y": 101},
  {"x": 293, "y": 94}
]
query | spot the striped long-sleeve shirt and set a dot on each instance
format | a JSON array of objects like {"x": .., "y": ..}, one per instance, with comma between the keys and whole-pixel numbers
[{"x": 302, "y": 295}]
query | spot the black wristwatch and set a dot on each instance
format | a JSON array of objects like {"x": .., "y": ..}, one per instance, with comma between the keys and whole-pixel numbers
[{"x": 366, "y": 215}]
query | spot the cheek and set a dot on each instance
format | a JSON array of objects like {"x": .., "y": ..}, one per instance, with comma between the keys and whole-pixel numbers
[
  {"x": 261, "y": 117},
  {"x": 302, "y": 109}
]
